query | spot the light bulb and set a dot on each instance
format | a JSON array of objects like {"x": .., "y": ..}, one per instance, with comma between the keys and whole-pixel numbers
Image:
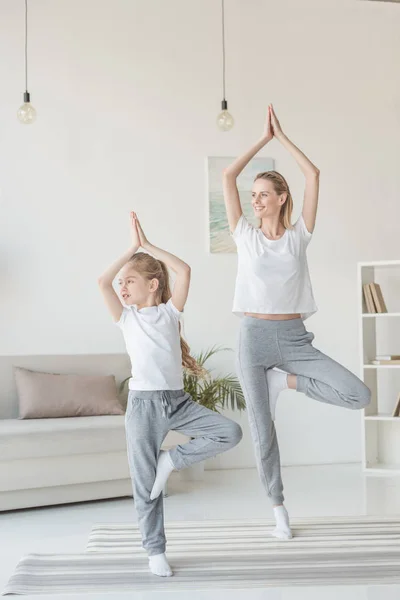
[
  {"x": 26, "y": 113},
  {"x": 225, "y": 120}
]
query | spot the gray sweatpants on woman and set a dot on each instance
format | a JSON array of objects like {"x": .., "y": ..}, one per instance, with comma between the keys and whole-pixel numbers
[
  {"x": 264, "y": 344},
  {"x": 149, "y": 416}
]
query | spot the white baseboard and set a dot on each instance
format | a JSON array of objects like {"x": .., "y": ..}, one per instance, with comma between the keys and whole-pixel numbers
[{"x": 64, "y": 494}]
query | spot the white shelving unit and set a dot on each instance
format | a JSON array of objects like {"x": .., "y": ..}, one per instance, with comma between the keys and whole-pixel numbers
[{"x": 380, "y": 334}]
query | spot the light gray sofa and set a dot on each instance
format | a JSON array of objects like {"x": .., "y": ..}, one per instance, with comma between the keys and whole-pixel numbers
[{"x": 56, "y": 461}]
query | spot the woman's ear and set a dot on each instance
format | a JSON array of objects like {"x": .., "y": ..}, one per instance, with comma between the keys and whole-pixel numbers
[{"x": 283, "y": 198}]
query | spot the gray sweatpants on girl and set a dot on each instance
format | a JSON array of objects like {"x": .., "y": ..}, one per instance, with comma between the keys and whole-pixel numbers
[
  {"x": 287, "y": 345},
  {"x": 150, "y": 415}
]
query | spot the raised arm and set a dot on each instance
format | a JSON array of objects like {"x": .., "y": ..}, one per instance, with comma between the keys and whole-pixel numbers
[
  {"x": 231, "y": 173},
  {"x": 310, "y": 171},
  {"x": 181, "y": 269},
  {"x": 105, "y": 281}
]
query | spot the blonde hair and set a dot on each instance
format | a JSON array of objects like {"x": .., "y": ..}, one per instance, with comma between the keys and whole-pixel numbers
[
  {"x": 281, "y": 187},
  {"x": 151, "y": 268}
]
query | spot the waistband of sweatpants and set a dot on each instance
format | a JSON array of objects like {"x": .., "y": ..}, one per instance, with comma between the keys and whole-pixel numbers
[
  {"x": 156, "y": 394},
  {"x": 267, "y": 324}
]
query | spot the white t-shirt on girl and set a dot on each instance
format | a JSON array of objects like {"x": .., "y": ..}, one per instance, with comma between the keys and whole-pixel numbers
[
  {"x": 153, "y": 343},
  {"x": 273, "y": 276}
]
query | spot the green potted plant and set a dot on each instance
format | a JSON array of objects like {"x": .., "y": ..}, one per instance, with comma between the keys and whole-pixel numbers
[{"x": 212, "y": 392}]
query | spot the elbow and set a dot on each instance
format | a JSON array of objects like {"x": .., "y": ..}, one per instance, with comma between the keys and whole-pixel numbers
[
  {"x": 101, "y": 282},
  {"x": 312, "y": 174},
  {"x": 227, "y": 175},
  {"x": 185, "y": 271}
]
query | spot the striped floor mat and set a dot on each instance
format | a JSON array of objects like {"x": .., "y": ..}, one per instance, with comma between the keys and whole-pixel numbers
[
  {"x": 230, "y": 537},
  {"x": 222, "y": 555}
]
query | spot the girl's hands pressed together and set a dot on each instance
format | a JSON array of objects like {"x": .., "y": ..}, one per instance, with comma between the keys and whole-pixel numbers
[
  {"x": 143, "y": 241},
  {"x": 136, "y": 242}
]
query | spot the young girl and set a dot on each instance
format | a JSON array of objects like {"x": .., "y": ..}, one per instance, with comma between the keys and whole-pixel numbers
[
  {"x": 274, "y": 295},
  {"x": 149, "y": 319}
]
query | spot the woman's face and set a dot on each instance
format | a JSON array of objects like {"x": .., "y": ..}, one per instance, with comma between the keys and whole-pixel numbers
[{"x": 265, "y": 200}]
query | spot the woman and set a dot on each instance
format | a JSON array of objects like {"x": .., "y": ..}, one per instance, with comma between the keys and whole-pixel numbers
[{"x": 274, "y": 295}]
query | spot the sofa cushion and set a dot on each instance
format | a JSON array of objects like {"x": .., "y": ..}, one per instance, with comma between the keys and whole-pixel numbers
[
  {"x": 35, "y": 438},
  {"x": 45, "y": 395},
  {"x": 42, "y": 438},
  {"x": 30, "y": 473}
]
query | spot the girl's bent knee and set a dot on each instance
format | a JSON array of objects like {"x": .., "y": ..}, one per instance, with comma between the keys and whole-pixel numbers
[{"x": 235, "y": 434}]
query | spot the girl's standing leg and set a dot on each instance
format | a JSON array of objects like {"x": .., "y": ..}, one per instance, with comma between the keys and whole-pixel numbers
[
  {"x": 149, "y": 417},
  {"x": 145, "y": 431}
]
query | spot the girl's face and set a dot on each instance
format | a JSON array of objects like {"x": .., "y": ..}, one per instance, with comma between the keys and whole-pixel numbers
[
  {"x": 134, "y": 289},
  {"x": 265, "y": 200}
]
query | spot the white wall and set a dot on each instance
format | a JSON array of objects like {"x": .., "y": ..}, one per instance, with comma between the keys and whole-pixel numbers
[{"x": 127, "y": 93}]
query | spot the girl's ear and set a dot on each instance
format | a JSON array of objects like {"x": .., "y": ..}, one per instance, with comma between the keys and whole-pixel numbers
[{"x": 154, "y": 284}]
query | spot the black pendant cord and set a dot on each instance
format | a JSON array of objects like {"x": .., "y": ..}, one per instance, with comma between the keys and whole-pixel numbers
[
  {"x": 26, "y": 46},
  {"x": 223, "y": 47},
  {"x": 26, "y": 94}
]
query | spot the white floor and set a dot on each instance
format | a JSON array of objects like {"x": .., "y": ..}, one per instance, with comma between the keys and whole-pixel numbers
[{"x": 310, "y": 491}]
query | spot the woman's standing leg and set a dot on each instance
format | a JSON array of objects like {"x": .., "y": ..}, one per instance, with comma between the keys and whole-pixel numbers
[
  {"x": 257, "y": 352},
  {"x": 254, "y": 384}
]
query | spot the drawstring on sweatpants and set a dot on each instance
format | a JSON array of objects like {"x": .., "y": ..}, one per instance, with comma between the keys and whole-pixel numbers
[{"x": 166, "y": 404}]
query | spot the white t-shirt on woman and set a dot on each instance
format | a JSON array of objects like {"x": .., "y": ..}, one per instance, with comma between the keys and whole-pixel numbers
[
  {"x": 273, "y": 276},
  {"x": 152, "y": 340}
]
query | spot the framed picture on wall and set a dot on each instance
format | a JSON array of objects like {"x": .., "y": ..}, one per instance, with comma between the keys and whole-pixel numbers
[{"x": 219, "y": 238}]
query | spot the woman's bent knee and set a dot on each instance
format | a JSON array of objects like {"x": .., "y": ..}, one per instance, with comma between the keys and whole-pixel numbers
[{"x": 364, "y": 398}]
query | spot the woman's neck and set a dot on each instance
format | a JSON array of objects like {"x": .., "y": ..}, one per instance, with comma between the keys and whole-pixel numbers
[{"x": 272, "y": 228}]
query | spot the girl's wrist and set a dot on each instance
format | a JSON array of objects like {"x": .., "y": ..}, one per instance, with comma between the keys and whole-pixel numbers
[{"x": 146, "y": 245}]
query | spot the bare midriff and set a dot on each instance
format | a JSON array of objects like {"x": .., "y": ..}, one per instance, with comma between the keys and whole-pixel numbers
[{"x": 273, "y": 317}]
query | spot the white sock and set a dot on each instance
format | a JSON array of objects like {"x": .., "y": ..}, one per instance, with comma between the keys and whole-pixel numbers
[
  {"x": 282, "y": 529},
  {"x": 159, "y": 565},
  {"x": 164, "y": 469},
  {"x": 277, "y": 381}
]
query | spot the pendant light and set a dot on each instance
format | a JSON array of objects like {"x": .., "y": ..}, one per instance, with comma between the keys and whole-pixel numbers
[
  {"x": 26, "y": 113},
  {"x": 224, "y": 120}
]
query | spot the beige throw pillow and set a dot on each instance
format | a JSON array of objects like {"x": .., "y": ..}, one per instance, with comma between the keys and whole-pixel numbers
[{"x": 45, "y": 395}]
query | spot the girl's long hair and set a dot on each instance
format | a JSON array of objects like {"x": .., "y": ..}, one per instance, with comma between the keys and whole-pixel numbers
[
  {"x": 281, "y": 187},
  {"x": 151, "y": 268}
]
